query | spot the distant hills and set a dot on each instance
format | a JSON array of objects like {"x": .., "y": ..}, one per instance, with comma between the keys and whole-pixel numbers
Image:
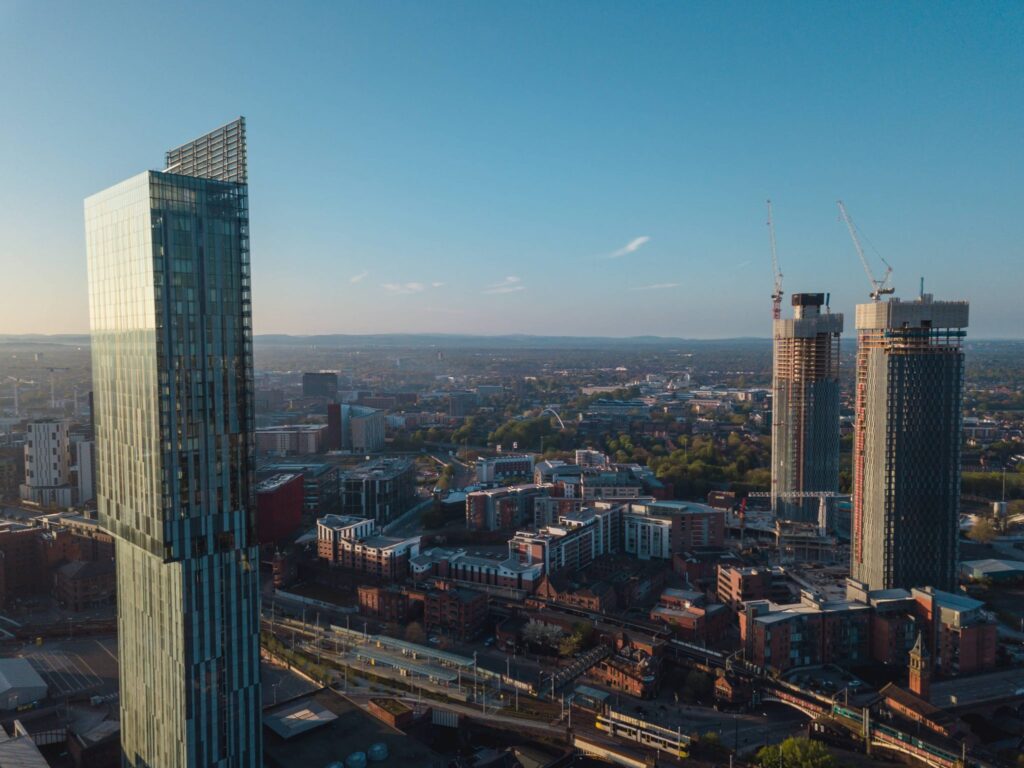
[{"x": 454, "y": 340}]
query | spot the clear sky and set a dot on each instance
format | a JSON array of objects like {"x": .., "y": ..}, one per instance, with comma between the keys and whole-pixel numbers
[{"x": 548, "y": 167}]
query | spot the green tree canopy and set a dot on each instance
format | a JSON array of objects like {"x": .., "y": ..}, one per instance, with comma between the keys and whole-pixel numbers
[{"x": 796, "y": 753}]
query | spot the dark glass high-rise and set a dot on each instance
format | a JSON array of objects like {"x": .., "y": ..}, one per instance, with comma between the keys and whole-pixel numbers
[{"x": 170, "y": 314}]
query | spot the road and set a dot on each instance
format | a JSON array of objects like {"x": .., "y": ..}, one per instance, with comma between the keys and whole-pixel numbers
[{"x": 408, "y": 524}]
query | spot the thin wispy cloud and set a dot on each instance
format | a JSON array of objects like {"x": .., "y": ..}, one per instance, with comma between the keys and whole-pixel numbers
[
  {"x": 510, "y": 284},
  {"x": 632, "y": 246},
  {"x": 360, "y": 277},
  {"x": 403, "y": 289},
  {"x": 437, "y": 285},
  {"x": 655, "y": 287}
]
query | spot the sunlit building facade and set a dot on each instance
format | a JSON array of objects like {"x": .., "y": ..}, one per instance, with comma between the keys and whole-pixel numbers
[
  {"x": 805, "y": 407},
  {"x": 170, "y": 313},
  {"x": 906, "y": 445}
]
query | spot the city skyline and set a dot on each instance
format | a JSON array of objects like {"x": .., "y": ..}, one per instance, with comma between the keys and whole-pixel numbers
[{"x": 593, "y": 172}]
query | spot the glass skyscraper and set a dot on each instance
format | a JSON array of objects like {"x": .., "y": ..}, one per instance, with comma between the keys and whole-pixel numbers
[
  {"x": 170, "y": 313},
  {"x": 906, "y": 443}
]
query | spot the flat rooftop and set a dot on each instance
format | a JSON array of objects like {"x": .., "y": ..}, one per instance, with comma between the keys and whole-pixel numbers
[
  {"x": 350, "y": 729},
  {"x": 275, "y": 482}
]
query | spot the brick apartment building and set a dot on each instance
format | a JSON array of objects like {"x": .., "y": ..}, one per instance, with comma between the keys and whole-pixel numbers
[
  {"x": 690, "y": 616},
  {"x": 457, "y": 611},
  {"x": 81, "y": 585},
  {"x": 506, "y": 573},
  {"x": 390, "y": 604},
  {"x": 737, "y": 585},
  {"x": 352, "y": 543},
  {"x": 813, "y": 631}
]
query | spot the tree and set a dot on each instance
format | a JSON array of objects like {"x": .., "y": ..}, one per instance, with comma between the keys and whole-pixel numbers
[
  {"x": 414, "y": 633},
  {"x": 697, "y": 686},
  {"x": 983, "y": 531},
  {"x": 539, "y": 633},
  {"x": 569, "y": 645},
  {"x": 795, "y": 753}
]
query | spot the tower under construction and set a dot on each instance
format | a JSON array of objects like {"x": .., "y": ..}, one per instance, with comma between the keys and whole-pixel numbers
[
  {"x": 805, "y": 407},
  {"x": 906, "y": 453}
]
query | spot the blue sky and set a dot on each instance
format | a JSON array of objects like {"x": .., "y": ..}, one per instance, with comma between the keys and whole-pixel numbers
[{"x": 533, "y": 167}]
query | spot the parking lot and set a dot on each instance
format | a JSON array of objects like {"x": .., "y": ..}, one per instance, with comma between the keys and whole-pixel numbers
[{"x": 86, "y": 666}]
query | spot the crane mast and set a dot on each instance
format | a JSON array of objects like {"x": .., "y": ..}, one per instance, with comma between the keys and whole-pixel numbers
[
  {"x": 776, "y": 272},
  {"x": 881, "y": 287}
]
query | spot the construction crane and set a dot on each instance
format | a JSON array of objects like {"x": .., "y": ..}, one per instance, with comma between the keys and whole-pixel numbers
[
  {"x": 53, "y": 398},
  {"x": 822, "y": 496},
  {"x": 881, "y": 287},
  {"x": 16, "y": 381},
  {"x": 776, "y": 272}
]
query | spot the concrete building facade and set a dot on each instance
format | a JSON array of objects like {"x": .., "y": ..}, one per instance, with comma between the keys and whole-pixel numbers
[{"x": 805, "y": 406}]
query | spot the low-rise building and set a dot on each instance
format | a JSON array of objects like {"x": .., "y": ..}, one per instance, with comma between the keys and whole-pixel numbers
[
  {"x": 503, "y": 508},
  {"x": 390, "y": 604},
  {"x": 320, "y": 487},
  {"x": 458, "y": 565},
  {"x": 629, "y": 669},
  {"x": 961, "y": 636},
  {"x": 20, "y": 684},
  {"x": 353, "y": 544},
  {"x": 82, "y": 585},
  {"x": 457, "y": 611},
  {"x": 994, "y": 570},
  {"x": 813, "y": 631},
  {"x": 291, "y": 439},
  {"x": 690, "y": 617},
  {"x": 737, "y": 585},
  {"x": 383, "y": 489},
  {"x": 492, "y": 468}
]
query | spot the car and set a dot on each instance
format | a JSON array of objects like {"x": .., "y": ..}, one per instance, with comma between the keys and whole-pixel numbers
[
  {"x": 434, "y": 640},
  {"x": 855, "y": 684},
  {"x": 489, "y": 642}
]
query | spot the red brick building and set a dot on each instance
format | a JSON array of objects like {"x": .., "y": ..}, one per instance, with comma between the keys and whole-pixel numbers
[
  {"x": 737, "y": 585},
  {"x": 455, "y": 610},
  {"x": 690, "y": 617},
  {"x": 278, "y": 507},
  {"x": 813, "y": 631},
  {"x": 81, "y": 585},
  {"x": 23, "y": 567},
  {"x": 961, "y": 637},
  {"x": 596, "y": 596},
  {"x": 389, "y": 604},
  {"x": 631, "y": 670}
]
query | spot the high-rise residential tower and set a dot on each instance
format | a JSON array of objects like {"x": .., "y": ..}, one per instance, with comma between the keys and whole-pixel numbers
[
  {"x": 906, "y": 452},
  {"x": 805, "y": 407},
  {"x": 172, "y": 380}
]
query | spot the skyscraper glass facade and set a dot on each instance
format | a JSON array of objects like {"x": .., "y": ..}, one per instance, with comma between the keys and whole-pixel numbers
[
  {"x": 172, "y": 379},
  {"x": 906, "y": 451}
]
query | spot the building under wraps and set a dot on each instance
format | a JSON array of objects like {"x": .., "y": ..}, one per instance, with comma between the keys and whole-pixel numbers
[{"x": 805, "y": 406}]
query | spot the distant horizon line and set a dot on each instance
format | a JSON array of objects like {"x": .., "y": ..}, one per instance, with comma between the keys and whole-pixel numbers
[{"x": 454, "y": 334}]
